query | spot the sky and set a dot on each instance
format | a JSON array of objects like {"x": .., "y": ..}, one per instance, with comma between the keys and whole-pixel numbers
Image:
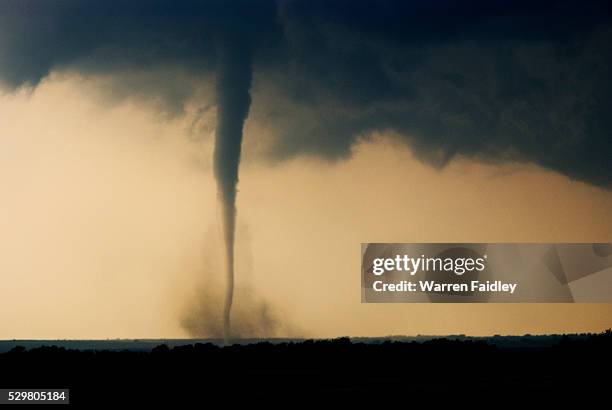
[{"x": 385, "y": 124}]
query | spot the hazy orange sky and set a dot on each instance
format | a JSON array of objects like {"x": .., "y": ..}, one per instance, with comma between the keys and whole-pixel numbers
[{"x": 110, "y": 225}]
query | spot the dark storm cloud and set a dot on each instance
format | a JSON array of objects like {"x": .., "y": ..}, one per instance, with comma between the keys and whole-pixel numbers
[{"x": 502, "y": 81}]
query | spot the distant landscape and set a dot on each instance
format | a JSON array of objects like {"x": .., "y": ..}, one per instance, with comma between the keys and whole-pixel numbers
[{"x": 145, "y": 345}]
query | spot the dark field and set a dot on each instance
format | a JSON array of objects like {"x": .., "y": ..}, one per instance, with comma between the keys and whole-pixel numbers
[{"x": 525, "y": 369}]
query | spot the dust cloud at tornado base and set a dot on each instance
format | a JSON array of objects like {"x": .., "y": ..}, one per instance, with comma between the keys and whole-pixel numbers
[{"x": 253, "y": 316}]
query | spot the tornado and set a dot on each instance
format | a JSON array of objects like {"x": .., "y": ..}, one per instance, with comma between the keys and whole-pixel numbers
[{"x": 233, "y": 84}]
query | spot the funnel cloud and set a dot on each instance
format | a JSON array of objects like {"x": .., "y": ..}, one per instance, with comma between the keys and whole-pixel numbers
[{"x": 233, "y": 101}]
